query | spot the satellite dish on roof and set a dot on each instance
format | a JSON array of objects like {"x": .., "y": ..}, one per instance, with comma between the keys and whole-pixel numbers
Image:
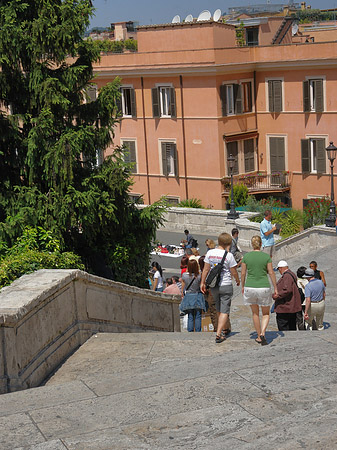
[
  {"x": 176, "y": 19},
  {"x": 189, "y": 18},
  {"x": 294, "y": 29},
  {"x": 217, "y": 15},
  {"x": 204, "y": 15}
]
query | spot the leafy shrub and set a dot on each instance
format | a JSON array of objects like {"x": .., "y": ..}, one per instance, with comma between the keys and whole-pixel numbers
[
  {"x": 15, "y": 265},
  {"x": 240, "y": 192},
  {"x": 316, "y": 212},
  {"x": 292, "y": 222},
  {"x": 36, "y": 238},
  {"x": 255, "y": 205},
  {"x": 107, "y": 45},
  {"x": 191, "y": 203}
]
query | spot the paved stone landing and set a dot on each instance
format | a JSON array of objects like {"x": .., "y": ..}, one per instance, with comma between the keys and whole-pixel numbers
[
  {"x": 171, "y": 390},
  {"x": 182, "y": 391}
]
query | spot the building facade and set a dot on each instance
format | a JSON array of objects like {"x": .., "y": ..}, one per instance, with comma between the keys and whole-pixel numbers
[{"x": 191, "y": 96}]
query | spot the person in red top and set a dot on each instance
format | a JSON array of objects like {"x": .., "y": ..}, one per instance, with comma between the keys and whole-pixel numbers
[{"x": 288, "y": 298}]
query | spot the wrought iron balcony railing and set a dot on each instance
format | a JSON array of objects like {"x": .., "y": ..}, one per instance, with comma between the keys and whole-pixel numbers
[{"x": 260, "y": 181}]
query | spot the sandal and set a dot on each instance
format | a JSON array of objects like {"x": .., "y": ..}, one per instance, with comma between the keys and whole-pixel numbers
[
  {"x": 219, "y": 339},
  {"x": 227, "y": 331},
  {"x": 259, "y": 342},
  {"x": 263, "y": 340}
]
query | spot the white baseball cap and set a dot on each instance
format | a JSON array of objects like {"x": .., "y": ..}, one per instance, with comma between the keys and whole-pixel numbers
[{"x": 282, "y": 263}]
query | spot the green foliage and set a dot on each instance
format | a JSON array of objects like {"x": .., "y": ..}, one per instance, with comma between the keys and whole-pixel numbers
[
  {"x": 49, "y": 142},
  {"x": 191, "y": 203},
  {"x": 240, "y": 34},
  {"x": 36, "y": 239},
  {"x": 16, "y": 264},
  {"x": 316, "y": 212},
  {"x": 292, "y": 222},
  {"x": 314, "y": 15},
  {"x": 240, "y": 192},
  {"x": 107, "y": 45}
]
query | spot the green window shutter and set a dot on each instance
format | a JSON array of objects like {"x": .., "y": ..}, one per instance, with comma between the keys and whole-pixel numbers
[
  {"x": 164, "y": 158},
  {"x": 232, "y": 149},
  {"x": 91, "y": 93},
  {"x": 173, "y": 109},
  {"x": 271, "y": 95},
  {"x": 119, "y": 103},
  {"x": 133, "y": 103},
  {"x": 277, "y": 154},
  {"x": 130, "y": 154},
  {"x": 155, "y": 102},
  {"x": 175, "y": 158},
  {"x": 223, "y": 98},
  {"x": 237, "y": 91},
  {"x": 277, "y": 93},
  {"x": 305, "y": 155},
  {"x": 249, "y": 155},
  {"x": 320, "y": 155},
  {"x": 306, "y": 96},
  {"x": 318, "y": 92}
]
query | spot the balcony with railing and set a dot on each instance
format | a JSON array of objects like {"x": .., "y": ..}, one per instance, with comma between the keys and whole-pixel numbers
[{"x": 259, "y": 182}]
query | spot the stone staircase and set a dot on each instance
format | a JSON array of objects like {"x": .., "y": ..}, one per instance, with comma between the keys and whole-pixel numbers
[{"x": 181, "y": 390}]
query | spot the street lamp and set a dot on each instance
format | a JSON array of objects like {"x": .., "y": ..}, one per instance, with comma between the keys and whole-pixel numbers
[
  {"x": 331, "y": 220},
  {"x": 232, "y": 213}
]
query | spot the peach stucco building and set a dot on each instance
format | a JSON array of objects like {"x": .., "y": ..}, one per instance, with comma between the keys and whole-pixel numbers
[{"x": 191, "y": 96}]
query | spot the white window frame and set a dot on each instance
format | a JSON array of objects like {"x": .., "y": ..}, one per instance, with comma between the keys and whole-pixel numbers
[
  {"x": 311, "y": 138},
  {"x": 285, "y": 136},
  {"x": 164, "y": 101},
  {"x": 241, "y": 157},
  {"x": 311, "y": 78},
  {"x": 267, "y": 92},
  {"x": 173, "y": 197},
  {"x": 133, "y": 139},
  {"x": 125, "y": 86},
  {"x": 173, "y": 141}
]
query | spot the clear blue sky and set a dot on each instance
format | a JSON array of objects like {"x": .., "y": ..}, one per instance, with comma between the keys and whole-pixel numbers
[{"x": 148, "y": 12}]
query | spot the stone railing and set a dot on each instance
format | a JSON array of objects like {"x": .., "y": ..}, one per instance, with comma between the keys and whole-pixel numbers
[
  {"x": 48, "y": 314},
  {"x": 309, "y": 240}
]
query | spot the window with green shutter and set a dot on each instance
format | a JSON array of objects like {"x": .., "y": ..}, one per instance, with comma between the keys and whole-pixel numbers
[
  {"x": 248, "y": 147},
  {"x": 164, "y": 102},
  {"x": 277, "y": 154},
  {"x": 130, "y": 154},
  {"x": 169, "y": 159},
  {"x": 313, "y": 155},
  {"x": 313, "y": 95},
  {"x": 128, "y": 102},
  {"x": 232, "y": 149},
  {"x": 275, "y": 95}
]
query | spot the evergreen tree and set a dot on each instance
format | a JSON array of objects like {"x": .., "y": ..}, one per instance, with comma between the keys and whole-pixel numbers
[{"x": 50, "y": 133}]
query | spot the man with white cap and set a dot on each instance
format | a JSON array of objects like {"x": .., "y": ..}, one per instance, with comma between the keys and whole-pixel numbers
[
  {"x": 314, "y": 293},
  {"x": 288, "y": 299}
]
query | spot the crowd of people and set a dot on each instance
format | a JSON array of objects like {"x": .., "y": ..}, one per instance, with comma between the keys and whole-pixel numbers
[{"x": 298, "y": 300}]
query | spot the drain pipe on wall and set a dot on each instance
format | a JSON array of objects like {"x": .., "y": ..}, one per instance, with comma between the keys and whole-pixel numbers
[
  {"x": 257, "y": 139},
  {"x": 145, "y": 144},
  {"x": 183, "y": 131}
]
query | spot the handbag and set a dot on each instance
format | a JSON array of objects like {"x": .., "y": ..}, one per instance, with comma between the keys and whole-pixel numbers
[
  {"x": 213, "y": 277},
  {"x": 192, "y": 300}
]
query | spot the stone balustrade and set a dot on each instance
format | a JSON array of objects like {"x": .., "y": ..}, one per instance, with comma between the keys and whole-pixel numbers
[{"x": 45, "y": 316}]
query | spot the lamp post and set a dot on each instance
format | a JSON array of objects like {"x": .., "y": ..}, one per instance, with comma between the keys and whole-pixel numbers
[
  {"x": 232, "y": 213},
  {"x": 331, "y": 220}
]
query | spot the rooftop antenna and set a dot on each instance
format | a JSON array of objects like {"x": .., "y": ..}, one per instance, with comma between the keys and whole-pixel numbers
[
  {"x": 217, "y": 15},
  {"x": 204, "y": 15},
  {"x": 176, "y": 19},
  {"x": 189, "y": 18}
]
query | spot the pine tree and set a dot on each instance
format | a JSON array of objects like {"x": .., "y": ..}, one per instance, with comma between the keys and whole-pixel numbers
[{"x": 50, "y": 133}]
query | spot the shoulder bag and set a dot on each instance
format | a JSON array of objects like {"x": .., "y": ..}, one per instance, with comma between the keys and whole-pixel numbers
[{"x": 213, "y": 277}]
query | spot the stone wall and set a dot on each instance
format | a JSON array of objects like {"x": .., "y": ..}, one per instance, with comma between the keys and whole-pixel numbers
[{"x": 47, "y": 315}]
